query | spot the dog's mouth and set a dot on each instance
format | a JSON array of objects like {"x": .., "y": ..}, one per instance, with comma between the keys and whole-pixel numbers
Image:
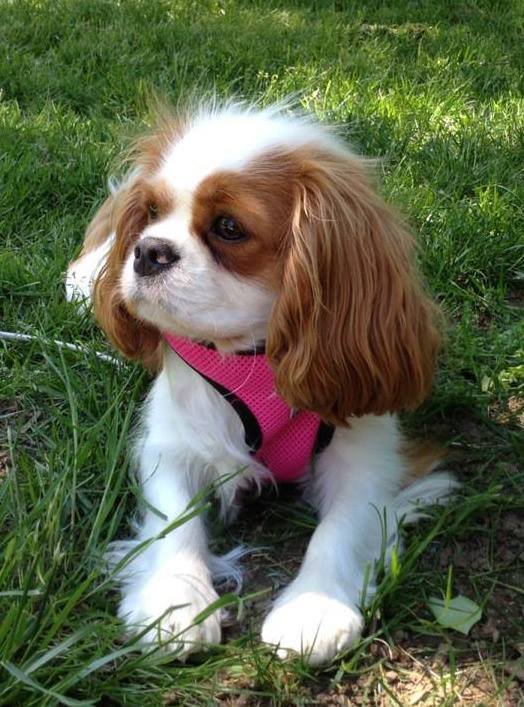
[
  {"x": 190, "y": 304},
  {"x": 154, "y": 301}
]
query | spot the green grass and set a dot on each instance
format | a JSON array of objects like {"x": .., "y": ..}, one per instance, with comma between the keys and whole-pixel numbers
[{"x": 432, "y": 88}]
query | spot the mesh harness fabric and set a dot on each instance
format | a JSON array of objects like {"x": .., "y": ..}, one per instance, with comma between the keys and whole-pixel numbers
[{"x": 283, "y": 440}]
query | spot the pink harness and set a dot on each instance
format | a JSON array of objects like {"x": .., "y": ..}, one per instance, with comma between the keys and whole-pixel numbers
[{"x": 283, "y": 440}]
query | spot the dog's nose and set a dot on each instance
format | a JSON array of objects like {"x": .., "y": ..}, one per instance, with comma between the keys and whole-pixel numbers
[{"x": 153, "y": 255}]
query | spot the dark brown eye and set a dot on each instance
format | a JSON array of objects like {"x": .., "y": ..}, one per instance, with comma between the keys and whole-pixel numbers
[
  {"x": 227, "y": 229},
  {"x": 152, "y": 211}
]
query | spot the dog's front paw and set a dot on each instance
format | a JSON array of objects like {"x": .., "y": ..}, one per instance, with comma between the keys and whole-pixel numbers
[
  {"x": 171, "y": 604},
  {"x": 312, "y": 623}
]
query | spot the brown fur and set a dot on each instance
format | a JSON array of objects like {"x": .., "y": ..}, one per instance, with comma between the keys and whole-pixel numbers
[
  {"x": 135, "y": 338},
  {"x": 99, "y": 229},
  {"x": 146, "y": 151},
  {"x": 421, "y": 457},
  {"x": 260, "y": 199},
  {"x": 352, "y": 331}
]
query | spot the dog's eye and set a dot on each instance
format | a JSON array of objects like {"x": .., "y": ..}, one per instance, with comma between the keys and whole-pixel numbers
[
  {"x": 227, "y": 229},
  {"x": 152, "y": 211}
]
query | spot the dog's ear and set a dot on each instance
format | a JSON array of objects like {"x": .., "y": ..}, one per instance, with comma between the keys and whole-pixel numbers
[
  {"x": 352, "y": 331},
  {"x": 136, "y": 339}
]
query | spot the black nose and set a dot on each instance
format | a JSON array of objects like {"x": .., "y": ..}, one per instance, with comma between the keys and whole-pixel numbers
[{"x": 153, "y": 256}]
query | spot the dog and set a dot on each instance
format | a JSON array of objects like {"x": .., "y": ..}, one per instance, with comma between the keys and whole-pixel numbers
[{"x": 249, "y": 261}]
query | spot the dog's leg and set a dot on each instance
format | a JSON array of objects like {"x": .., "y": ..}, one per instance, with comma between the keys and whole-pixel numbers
[
  {"x": 354, "y": 484},
  {"x": 169, "y": 581}
]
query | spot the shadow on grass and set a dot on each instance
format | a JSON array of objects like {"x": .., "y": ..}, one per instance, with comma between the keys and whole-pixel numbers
[{"x": 93, "y": 55}]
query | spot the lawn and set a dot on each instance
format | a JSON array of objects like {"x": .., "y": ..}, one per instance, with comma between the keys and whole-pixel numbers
[{"x": 433, "y": 89}]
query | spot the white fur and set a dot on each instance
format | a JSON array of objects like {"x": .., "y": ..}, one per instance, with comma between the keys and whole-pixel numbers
[
  {"x": 228, "y": 139},
  {"x": 83, "y": 272},
  {"x": 191, "y": 437},
  {"x": 354, "y": 486}
]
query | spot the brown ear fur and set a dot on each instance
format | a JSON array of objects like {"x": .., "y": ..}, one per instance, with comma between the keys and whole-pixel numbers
[
  {"x": 352, "y": 331},
  {"x": 134, "y": 338}
]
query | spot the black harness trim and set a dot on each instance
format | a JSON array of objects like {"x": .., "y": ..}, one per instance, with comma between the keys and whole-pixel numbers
[
  {"x": 252, "y": 432},
  {"x": 324, "y": 436}
]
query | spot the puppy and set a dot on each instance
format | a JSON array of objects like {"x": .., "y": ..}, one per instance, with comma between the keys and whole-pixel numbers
[{"x": 249, "y": 261}]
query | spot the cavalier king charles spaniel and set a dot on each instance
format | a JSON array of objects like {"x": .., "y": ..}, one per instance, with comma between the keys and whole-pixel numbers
[{"x": 248, "y": 260}]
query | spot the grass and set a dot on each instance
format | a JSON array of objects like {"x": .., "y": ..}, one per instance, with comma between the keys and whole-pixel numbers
[{"x": 435, "y": 91}]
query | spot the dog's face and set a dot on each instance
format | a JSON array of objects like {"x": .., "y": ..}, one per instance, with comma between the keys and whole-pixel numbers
[
  {"x": 239, "y": 227},
  {"x": 209, "y": 226}
]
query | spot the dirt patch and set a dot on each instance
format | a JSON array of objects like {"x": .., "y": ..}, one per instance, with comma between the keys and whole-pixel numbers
[
  {"x": 511, "y": 412},
  {"x": 408, "y": 676}
]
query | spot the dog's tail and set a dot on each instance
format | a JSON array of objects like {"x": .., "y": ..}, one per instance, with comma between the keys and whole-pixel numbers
[
  {"x": 436, "y": 488},
  {"x": 425, "y": 486},
  {"x": 421, "y": 457},
  {"x": 411, "y": 504}
]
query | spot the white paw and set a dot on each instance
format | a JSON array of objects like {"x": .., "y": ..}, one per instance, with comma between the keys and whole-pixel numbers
[
  {"x": 312, "y": 623},
  {"x": 82, "y": 273},
  {"x": 78, "y": 286},
  {"x": 171, "y": 604}
]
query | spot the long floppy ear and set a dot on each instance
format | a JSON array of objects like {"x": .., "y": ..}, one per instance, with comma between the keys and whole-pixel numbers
[
  {"x": 352, "y": 331},
  {"x": 134, "y": 338}
]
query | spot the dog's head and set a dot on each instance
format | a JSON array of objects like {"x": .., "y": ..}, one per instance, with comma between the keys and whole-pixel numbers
[{"x": 241, "y": 226}]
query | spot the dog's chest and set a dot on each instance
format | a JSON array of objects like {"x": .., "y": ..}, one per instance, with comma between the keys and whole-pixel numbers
[{"x": 280, "y": 439}]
